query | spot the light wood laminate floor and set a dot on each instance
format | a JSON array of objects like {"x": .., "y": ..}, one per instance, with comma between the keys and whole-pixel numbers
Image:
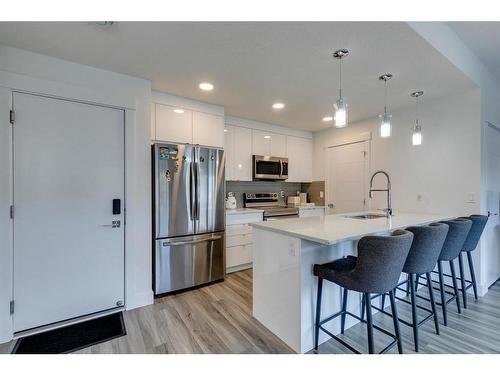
[{"x": 218, "y": 319}]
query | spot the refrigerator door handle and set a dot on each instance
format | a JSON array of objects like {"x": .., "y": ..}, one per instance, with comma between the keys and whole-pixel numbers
[
  {"x": 192, "y": 242},
  {"x": 192, "y": 191},
  {"x": 198, "y": 190}
]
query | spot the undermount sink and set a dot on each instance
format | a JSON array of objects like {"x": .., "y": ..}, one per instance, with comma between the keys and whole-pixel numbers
[{"x": 366, "y": 216}]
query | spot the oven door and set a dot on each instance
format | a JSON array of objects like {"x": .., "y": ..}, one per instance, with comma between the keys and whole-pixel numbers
[{"x": 267, "y": 168}]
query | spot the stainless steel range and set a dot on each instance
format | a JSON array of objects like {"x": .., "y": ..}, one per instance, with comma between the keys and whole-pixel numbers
[{"x": 270, "y": 203}]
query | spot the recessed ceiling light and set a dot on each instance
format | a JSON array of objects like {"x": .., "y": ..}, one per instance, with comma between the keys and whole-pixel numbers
[
  {"x": 206, "y": 86},
  {"x": 267, "y": 137},
  {"x": 327, "y": 118},
  {"x": 177, "y": 110},
  {"x": 225, "y": 130},
  {"x": 278, "y": 106}
]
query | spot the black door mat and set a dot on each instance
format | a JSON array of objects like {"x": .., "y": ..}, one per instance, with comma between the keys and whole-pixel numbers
[{"x": 74, "y": 337}]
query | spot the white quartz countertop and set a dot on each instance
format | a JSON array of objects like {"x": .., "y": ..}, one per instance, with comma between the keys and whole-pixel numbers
[
  {"x": 242, "y": 210},
  {"x": 331, "y": 229}
]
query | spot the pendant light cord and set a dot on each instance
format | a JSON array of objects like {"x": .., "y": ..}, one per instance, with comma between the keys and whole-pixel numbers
[
  {"x": 340, "y": 77},
  {"x": 385, "y": 98},
  {"x": 416, "y": 111}
]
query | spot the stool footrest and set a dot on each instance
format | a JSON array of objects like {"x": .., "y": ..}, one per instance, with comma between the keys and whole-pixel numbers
[{"x": 378, "y": 328}]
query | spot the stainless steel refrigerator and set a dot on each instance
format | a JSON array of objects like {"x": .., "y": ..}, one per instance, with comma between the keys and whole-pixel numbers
[{"x": 188, "y": 219}]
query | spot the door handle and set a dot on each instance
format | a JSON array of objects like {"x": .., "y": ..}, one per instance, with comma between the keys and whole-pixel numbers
[
  {"x": 180, "y": 243},
  {"x": 114, "y": 224},
  {"x": 192, "y": 192}
]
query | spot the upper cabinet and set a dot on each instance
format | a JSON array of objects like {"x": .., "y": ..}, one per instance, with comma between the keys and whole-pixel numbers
[
  {"x": 208, "y": 129},
  {"x": 299, "y": 153},
  {"x": 268, "y": 143},
  {"x": 173, "y": 124},
  {"x": 238, "y": 151},
  {"x": 180, "y": 125}
]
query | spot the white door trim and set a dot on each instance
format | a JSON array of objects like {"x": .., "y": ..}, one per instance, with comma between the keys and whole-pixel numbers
[{"x": 135, "y": 295}]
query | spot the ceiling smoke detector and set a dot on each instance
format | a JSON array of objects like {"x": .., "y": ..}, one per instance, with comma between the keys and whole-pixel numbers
[{"x": 104, "y": 23}]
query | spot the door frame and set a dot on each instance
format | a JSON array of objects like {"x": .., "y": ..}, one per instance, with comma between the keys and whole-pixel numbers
[
  {"x": 138, "y": 291},
  {"x": 364, "y": 137},
  {"x": 12, "y": 221}
]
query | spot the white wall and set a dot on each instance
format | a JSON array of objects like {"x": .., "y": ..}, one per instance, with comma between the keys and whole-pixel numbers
[
  {"x": 446, "y": 41},
  {"x": 23, "y": 70},
  {"x": 444, "y": 169}
]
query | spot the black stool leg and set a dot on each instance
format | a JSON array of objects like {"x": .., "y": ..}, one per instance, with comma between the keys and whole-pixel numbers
[
  {"x": 383, "y": 301},
  {"x": 363, "y": 303},
  {"x": 318, "y": 313},
  {"x": 407, "y": 285},
  {"x": 472, "y": 274},
  {"x": 369, "y": 322},
  {"x": 433, "y": 302},
  {"x": 417, "y": 277},
  {"x": 455, "y": 286},
  {"x": 414, "y": 311},
  {"x": 462, "y": 277},
  {"x": 344, "y": 309},
  {"x": 441, "y": 289},
  {"x": 396, "y": 321}
]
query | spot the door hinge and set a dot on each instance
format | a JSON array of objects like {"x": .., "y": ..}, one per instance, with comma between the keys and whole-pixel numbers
[
  {"x": 11, "y": 307},
  {"x": 12, "y": 117},
  {"x": 11, "y": 212}
]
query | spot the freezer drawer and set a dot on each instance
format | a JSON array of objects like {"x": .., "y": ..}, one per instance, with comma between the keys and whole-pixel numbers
[{"x": 188, "y": 261}]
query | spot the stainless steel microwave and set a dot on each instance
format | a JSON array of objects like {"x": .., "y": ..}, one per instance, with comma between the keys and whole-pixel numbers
[{"x": 270, "y": 168}]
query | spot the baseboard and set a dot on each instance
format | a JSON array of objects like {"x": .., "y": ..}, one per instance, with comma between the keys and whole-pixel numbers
[
  {"x": 239, "y": 268},
  {"x": 139, "y": 300}
]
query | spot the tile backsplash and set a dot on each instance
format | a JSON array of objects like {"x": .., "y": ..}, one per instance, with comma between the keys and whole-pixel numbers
[{"x": 290, "y": 188}]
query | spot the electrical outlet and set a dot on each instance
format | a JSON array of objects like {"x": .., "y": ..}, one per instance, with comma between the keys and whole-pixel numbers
[{"x": 321, "y": 194}]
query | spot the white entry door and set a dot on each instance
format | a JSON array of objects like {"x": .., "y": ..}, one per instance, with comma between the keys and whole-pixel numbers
[
  {"x": 347, "y": 171},
  {"x": 491, "y": 253},
  {"x": 68, "y": 169}
]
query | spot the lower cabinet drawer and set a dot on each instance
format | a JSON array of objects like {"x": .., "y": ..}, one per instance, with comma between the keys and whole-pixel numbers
[
  {"x": 238, "y": 255},
  {"x": 243, "y": 239},
  {"x": 238, "y": 229}
]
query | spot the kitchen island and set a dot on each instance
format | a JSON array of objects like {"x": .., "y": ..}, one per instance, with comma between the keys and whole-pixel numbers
[{"x": 284, "y": 252}]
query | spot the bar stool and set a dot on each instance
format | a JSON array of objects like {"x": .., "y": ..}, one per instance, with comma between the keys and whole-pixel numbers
[
  {"x": 376, "y": 270},
  {"x": 453, "y": 245},
  {"x": 478, "y": 224},
  {"x": 427, "y": 244}
]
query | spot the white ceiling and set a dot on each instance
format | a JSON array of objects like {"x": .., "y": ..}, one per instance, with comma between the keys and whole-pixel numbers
[
  {"x": 483, "y": 38},
  {"x": 253, "y": 65}
]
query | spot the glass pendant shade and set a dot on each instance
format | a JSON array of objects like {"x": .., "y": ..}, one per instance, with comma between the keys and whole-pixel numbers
[
  {"x": 385, "y": 126},
  {"x": 340, "y": 113},
  {"x": 416, "y": 139}
]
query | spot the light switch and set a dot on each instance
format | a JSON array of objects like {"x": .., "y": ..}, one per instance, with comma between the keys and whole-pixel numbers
[
  {"x": 321, "y": 194},
  {"x": 471, "y": 197}
]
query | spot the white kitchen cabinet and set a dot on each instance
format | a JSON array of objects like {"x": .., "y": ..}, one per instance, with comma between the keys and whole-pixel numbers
[
  {"x": 173, "y": 126},
  {"x": 208, "y": 129},
  {"x": 308, "y": 212},
  {"x": 239, "y": 255},
  {"x": 299, "y": 153},
  {"x": 238, "y": 151},
  {"x": 180, "y": 125},
  {"x": 268, "y": 143}
]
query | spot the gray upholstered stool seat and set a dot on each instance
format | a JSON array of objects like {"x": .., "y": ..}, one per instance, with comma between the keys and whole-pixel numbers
[
  {"x": 427, "y": 244},
  {"x": 376, "y": 270},
  {"x": 453, "y": 245}
]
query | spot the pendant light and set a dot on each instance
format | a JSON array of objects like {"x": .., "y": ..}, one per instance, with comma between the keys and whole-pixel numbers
[
  {"x": 340, "y": 104},
  {"x": 385, "y": 125},
  {"x": 416, "y": 139}
]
